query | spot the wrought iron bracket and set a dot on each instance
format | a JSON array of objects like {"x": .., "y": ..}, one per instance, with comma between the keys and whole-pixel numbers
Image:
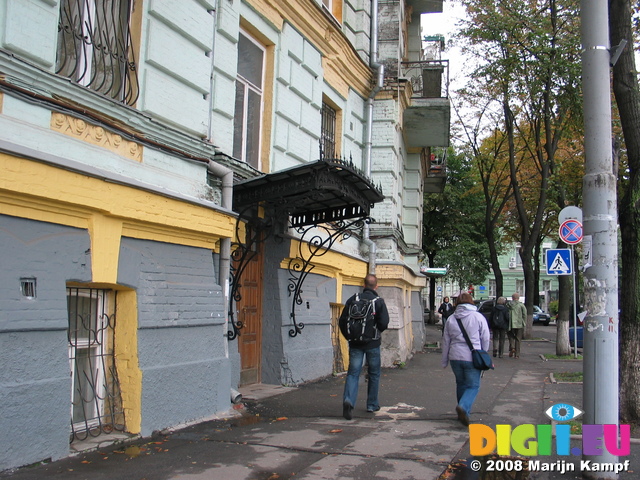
[
  {"x": 254, "y": 230},
  {"x": 315, "y": 241},
  {"x": 322, "y": 201}
]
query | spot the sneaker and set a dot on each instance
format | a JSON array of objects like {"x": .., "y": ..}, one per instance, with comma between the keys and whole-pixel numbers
[
  {"x": 463, "y": 418},
  {"x": 346, "y": 411},
  {"x": 371, "y": 410}
]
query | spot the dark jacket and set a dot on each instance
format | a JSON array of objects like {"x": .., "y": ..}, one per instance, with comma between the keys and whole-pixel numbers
[
  {"x": 446, "y": 309},
  {"x": 500, "y": 317},
  {"x": 381, "y": 319}
]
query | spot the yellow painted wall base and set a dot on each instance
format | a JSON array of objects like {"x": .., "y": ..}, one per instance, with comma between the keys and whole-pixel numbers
[{"x": 126, "y": 357}]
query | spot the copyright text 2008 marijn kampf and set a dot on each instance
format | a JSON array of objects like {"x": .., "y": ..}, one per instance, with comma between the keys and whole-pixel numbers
[{"x": 563, "y": 466}]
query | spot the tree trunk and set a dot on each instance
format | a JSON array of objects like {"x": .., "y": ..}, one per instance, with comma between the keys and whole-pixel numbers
[
  {"x": 529, "y": 279},
  {"x": 565, "y": 292},
  {"x": 627, "y": 95}
]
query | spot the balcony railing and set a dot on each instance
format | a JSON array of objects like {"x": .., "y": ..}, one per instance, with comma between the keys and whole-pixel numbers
[{"x": 429, "y": 78}]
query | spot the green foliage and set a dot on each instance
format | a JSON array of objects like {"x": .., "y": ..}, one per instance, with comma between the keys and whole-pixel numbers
[
  {"x": 453, "y": 225},
  {"x": 553, "y": 307},
  {"x": 569, "y": 376}
]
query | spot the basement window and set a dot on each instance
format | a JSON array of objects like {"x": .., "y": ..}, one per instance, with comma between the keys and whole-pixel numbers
[{"x": 28, "y": 287}]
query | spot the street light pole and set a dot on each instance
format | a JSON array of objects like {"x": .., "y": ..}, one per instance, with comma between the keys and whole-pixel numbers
[{"x": 600, "y": 340}]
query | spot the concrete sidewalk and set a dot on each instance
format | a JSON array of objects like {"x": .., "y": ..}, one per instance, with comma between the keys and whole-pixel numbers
[{"x": 299, "y": 432}]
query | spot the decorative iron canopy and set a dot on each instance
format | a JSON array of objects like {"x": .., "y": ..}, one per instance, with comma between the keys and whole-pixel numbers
[
  {"x": 331, "y": 192},
  {"x": 313, "y": 193}
]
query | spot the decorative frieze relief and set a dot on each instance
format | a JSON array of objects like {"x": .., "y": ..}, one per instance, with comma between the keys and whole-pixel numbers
[{"x": 96, "y": 135}]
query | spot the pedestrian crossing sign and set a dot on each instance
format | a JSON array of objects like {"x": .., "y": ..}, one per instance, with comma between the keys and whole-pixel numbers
[{"x": 559, "y": 261}]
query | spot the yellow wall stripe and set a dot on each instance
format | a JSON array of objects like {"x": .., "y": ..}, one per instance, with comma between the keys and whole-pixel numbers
[{"x": 42, "y": 192}]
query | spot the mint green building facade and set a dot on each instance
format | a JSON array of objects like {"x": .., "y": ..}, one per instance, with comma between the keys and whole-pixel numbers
[{"x": 513, "y": 279}]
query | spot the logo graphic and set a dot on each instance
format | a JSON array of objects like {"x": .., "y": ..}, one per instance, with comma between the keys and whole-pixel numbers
[
  {"x": 563, "y": 412},
  {"x": 532, "y": 440}
]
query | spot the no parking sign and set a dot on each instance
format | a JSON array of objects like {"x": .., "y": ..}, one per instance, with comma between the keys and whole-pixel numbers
[{"x": 571, "y": 231}]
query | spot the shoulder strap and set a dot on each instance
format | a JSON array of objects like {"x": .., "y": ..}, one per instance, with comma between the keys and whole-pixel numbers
[{"x": 466, "y": 337}]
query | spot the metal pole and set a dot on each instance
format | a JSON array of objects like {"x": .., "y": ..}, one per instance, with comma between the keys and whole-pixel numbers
[
  {"x": 600, "y": 335},
  {"x": 575, "y": 306}
]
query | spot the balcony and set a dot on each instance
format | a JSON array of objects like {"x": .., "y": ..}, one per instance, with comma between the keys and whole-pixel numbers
[
  {"x": 434, "y": 161},
  {"x": 428, "y": 116},
  {"x": 426, "y": 6}
]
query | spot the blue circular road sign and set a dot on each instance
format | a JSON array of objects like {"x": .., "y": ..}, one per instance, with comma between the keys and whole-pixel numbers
[{"x": 571, "y": 231}]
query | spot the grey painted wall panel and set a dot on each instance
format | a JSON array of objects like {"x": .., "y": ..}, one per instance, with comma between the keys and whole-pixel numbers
[
  {"x": 52, "y": 255},
  {"x": 35, "y": 397},
  {"x": 185, "y": 376},
  {"x": 185, "y": 369},
  {"x": 35, "y": 384},
  {"x": 176, "y": 284},
  {"x": 417, "y": 322},
  {"x": 274, "y": 310},
  {"x": 309, "y": 355}
]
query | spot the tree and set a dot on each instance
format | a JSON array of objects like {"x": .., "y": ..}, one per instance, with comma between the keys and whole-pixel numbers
[
  {"x": 453, "y": 225},
  {"x": 531, "y": 52},
  {"x": 627, "y": 96},
  {"x": 489, "y": 159}
]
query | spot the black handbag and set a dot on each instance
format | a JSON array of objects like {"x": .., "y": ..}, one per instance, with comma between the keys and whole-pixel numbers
[{"x": 481, "y": 359}]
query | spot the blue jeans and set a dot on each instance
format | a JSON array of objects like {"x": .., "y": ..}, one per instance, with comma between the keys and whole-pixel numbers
[
  {"x": 356, "y": 359},
  {"x": 467, "y": 383}
]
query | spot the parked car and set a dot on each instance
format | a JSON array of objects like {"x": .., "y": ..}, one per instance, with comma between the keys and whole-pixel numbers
[
  {"x": 540, "y": 316},
  {"x": 572, "y": 336}
]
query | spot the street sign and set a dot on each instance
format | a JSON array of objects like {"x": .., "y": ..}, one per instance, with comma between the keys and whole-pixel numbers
[
  {"x": 569, "y": 213},
  {"x": 571, "y": 231},
  {"x": 559, "y": 261},
  {"x": 586, "y": 251},
  {"x": 433, "y": 271}
]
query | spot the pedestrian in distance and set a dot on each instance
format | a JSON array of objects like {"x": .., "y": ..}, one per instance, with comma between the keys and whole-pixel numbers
[
  {"x": 363, "y": 319},
  {"x": 499, "y": 325},
  {"x": 456, "y": 351},
  {"x": 518, "y": 313},
  {"x": 445, "y": 309}
]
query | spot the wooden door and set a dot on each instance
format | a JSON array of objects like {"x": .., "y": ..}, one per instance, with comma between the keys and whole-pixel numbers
[{"x": 250, "y": 314}]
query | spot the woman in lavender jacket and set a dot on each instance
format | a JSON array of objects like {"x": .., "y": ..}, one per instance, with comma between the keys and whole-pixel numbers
[{"x": 456, "y": 351}]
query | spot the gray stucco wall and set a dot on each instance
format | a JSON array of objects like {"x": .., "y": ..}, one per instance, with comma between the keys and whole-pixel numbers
[
  {"x": 181, "y": 337},
  {"x": 417, "y": 322},
  {"x": 273, "y": 311},
  {"x": 393, "y": 338},
  {"x": 309, "y": 355},
  {"x": 35, "y": 387}
]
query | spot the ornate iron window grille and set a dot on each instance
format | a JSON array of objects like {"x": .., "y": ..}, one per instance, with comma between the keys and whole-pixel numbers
[
  {"x": 94, "y": 47},
  {"x": 328, "y": 132},
  {"x": 96, "y": 398}
]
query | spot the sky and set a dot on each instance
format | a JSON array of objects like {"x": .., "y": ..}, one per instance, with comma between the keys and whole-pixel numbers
[{"x": 444, "y": 24}]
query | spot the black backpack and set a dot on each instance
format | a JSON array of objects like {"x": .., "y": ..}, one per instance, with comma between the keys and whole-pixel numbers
[{"x": 361, "y": 314}]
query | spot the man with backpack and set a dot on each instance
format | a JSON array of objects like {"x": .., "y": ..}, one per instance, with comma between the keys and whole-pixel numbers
[{"x": 363, "y": 319}]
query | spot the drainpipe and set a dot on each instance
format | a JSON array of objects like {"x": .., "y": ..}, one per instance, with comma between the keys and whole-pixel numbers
[
  {"x": 379, "y": 68},
  {"x": 227, "y": 201},
  {"x": 222, "y": 172},
  {"x": 213, "y": 45},
  {"x": 225, "y": 246}
]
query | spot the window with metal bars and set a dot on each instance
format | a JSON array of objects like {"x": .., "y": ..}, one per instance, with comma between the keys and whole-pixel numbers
[
  {"x": 328, "y": 132},
  {"x": 96, "y": 404},
  {"x": 94, "y": 47}
]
